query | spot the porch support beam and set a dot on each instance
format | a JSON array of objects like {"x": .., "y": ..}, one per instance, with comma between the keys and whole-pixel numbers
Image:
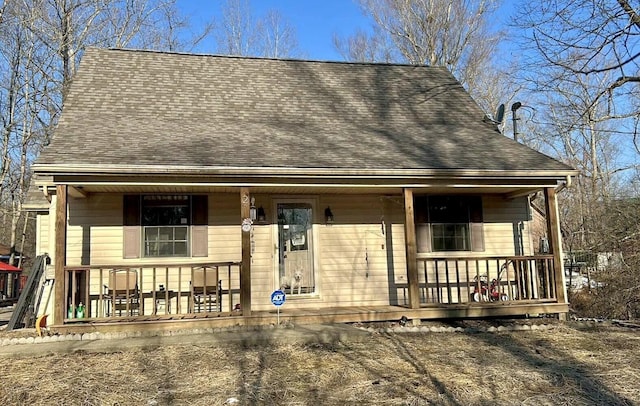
[
  {"x": 411, "y": 250},
  {"x": 245, "y": 270},
  {"x": 60, "y": 253},
  {"x": 555, "y": 241}
]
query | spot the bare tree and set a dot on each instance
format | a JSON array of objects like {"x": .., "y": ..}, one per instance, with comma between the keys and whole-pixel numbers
[
  {"x": 41, "y": 43},
  {"x": 237, "y": 34},
  {"x": 582, "y": 71},
  {"x": 451, "y": 33},
  {"x": 365, "y": 47},
  {"x": 578, "y": 38},
  {"x": 580, "y": 51},
  {"x": 277, "y": 36},
  {"x": 20, "y": 102},
  {"x": 3, "y": 5},
  {"x": 242, "y": 33}
]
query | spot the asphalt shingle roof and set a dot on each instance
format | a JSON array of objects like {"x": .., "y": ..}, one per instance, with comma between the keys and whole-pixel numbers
[{"x": 130, "y": 107}]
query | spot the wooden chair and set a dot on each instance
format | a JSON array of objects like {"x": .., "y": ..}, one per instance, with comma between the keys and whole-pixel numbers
[
  {"x": 122, "y": 292},
  {"x": 206, "y": 289}
]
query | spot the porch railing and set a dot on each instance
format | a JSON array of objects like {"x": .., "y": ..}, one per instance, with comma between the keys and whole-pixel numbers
[
  {"x": 486, "y": 279},
  {"x": 143, "y": 291}
]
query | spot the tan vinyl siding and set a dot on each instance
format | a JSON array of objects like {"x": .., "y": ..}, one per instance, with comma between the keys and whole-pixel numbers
[
  {"x": 98, "y": 220},
  {"x": 353, "y": 252},
  {"x": 225, "y": 235},
  {"x": 263, "y": 275},
  {"x": 95, "y": 232},
  {"x": 356, "y": 263},
  {"x": 52, "y": 229},
  {"x": 503, "y": 218},
  {"x": 506, "y": 227},
  {"x": 42, "y": 234}
]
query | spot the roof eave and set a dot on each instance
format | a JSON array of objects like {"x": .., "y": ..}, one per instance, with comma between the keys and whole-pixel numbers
[{"x": 159, "y": 170}]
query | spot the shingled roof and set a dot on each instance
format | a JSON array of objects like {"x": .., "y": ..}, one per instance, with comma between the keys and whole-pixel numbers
[{"x": 140, "y": 108}]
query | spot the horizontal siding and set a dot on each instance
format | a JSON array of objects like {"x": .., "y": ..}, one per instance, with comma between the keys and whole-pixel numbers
[
  {"x": 502, "y": 218},
  {"x": 42, "y": 235},
  {"x": 356, "y": 257},
  {"x": 507, "y": 225},
  {"x": 353, "y": 252},
  {"x": 95, "y": 232},
  {"x": 225, "y": 235},
  {"x": 262, "y": 267}
]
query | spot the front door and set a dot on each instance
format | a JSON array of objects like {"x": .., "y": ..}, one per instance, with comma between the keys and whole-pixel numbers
[{"x": 296, "y": 275}]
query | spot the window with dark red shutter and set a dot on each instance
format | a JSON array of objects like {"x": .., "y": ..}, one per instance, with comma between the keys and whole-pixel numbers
[
  {"x": 449, "y": 223},
  {"x": 165, "y": 226}
]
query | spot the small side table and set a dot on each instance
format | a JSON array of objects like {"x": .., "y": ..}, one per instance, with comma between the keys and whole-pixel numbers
[{"x": 162, "y": 298}]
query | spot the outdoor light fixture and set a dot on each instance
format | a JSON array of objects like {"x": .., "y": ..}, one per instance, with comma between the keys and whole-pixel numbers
[
  {"x": 328, "y": 215},
  {"x": 262, "y": 217},
  {"x": 252, "y": 209}
]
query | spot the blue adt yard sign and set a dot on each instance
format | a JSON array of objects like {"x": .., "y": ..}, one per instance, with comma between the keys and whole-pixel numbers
[{"x": 278, "y": 298}]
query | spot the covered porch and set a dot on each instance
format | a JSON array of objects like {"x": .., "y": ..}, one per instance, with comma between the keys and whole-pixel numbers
[
  {"x": 108, "y": 293},
  {"x": 142, "y": 295},
  {"x": 292, "y": 316},
  {"x": 526, "y": 286}
]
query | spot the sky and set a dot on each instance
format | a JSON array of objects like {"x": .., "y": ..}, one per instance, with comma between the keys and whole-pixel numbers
[{"x": 316, "y": 21}]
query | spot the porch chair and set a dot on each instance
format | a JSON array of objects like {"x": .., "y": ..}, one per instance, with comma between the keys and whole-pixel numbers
[
  {"x": 206, "y": 290},
  {"x": 122, "y": 293}
]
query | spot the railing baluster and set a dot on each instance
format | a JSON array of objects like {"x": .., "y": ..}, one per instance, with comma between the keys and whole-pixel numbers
[
  {"x": 552, "y": 279},
  {"x": 87, "y": 302},
  {"x": 229, "y": 292},
  {"x": 426, "y": 281},
  {"x": 466, "y": 268},
  {"x": 488, "y": 273},
  {"x": 478, "y": 282},
  {"x": 438, "y": 293},
  {"x": 423, "y": 294},
  {"x": 498, "y": 284},
  {"x": 518, "y": 271},
  {"x": 550, "y": 272},
  {"x": 509, "y": 290},
  {"x": 458, "y": 282},
  {"x": 179, "y": 299},
  {"x": 446, "y": 270}
]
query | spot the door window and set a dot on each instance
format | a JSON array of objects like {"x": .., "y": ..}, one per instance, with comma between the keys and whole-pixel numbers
[{"x": 295, "y": 249}]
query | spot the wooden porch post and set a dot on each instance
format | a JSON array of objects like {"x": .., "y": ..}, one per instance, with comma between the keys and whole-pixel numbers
[
  {"x": 60, "y": 253},
  {"x": 411, "y": 250},
  {"x": 245, "y": 272},
  {"x": 555, "y": 241}
]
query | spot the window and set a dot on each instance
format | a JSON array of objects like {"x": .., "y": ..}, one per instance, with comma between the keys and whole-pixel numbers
[
  {"x": 448, "y": 223},
  {"x": 165, "y": 223},
  {"x": 165, "y": 226}
]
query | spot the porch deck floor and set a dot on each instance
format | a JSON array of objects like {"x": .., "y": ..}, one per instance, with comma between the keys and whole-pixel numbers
[{"x": 310, "y": 316}]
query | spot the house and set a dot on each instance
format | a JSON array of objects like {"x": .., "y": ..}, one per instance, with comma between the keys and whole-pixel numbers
[
  {"x": 5, "y": 254},
  {"x": 185, "y": 189},
  {"x": 11, "y": 283}
]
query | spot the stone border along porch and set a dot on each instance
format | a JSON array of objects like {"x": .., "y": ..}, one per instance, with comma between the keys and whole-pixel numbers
[{"x": 358, "y": 328}]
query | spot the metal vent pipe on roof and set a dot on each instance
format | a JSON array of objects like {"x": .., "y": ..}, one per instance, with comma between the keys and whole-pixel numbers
[{"x": 515, "y": 106}]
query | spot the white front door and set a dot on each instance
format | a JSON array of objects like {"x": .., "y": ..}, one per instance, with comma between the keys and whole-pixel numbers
[{"x": 295, "y": 270}]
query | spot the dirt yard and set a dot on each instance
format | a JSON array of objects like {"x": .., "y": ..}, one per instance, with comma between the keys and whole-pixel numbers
[{"x": 567, "y": 364}]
